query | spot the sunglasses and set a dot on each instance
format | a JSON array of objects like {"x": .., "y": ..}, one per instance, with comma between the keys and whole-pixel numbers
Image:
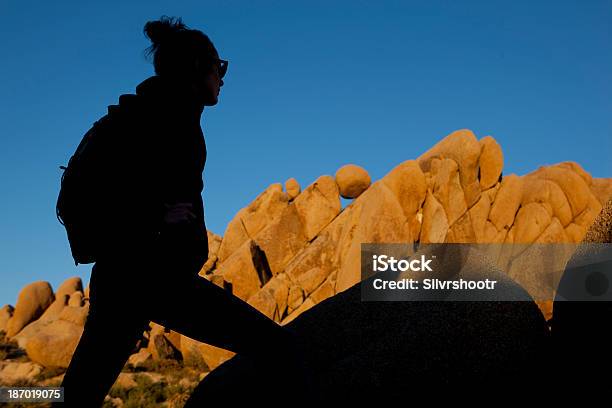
[{"x": 221, "y": 66}]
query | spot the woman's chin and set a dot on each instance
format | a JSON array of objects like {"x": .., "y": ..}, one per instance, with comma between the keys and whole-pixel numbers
[{"x": 212, "y": 101}]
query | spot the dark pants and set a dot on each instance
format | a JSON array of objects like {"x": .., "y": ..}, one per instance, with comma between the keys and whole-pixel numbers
[{"x": 126, "y": 295}]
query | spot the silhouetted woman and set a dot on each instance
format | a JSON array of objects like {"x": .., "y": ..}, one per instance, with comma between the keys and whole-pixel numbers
[{"x": 149, "y": 269}]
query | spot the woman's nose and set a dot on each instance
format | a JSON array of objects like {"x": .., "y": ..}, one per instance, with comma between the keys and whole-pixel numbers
[{"x": 221, "y": 83}]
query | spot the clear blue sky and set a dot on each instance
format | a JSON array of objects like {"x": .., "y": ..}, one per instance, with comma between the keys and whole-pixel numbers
[{"x": 311, "y": 86}]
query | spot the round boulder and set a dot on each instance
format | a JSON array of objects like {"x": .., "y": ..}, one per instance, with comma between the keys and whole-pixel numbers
[
  {"x": 5, "y": 314},
  {"x": 31, "y": 303},
  {"x": 292, "y": 187},
  {"x": 352, "y": 180},
  {"x": 54, "y": 343},
  {"x": 76, "y": 299},
  {"x": 69, "y": 286},
  {"x": 491, "y": 162}
]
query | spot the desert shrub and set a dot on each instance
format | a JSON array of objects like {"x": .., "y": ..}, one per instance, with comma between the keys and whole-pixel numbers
[
  {"x": 24, "y": 382},
  {"x": 10, "y": 349},
  {"x": 197, "y": 363},
  {"x": 159, "y": 366},
  {"x": 29, "y": 405},
  {"x": 51, "y": 372},
  {"x": 147, "y": 394}
]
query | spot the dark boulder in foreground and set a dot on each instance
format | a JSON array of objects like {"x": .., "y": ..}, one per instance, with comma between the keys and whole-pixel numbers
[
  {"x": 364, "y": 351},
  {"x": 582, "y": 338}
]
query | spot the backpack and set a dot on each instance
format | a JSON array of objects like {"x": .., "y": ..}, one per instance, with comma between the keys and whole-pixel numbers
[{"x": 80, "y": 203}]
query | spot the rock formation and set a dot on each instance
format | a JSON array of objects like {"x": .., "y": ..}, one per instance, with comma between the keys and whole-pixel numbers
[
  {"x": 292, "y": 248},
  {"x": 305, "y": 249},
  {"x": 50, "y": 340}
]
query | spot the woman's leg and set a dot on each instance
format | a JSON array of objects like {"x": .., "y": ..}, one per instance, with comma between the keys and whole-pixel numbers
[
  {"x": 111, "y": 331},
  {"x": 199, "y": 309}
]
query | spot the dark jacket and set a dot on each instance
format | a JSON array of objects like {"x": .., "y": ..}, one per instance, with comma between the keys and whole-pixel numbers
[{"x": 159, "y": 153}]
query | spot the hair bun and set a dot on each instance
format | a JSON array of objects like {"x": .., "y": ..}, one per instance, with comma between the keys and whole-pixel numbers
[
  {"x": 161, "y": 30},
  {"x": 176, "y": 48}
]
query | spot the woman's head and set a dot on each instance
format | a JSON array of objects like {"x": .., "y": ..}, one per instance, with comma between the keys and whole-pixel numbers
[{"x": 185, "y": 55}]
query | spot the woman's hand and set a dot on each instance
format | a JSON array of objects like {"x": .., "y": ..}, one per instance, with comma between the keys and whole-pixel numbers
[{"x": 178, "y": 213}]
